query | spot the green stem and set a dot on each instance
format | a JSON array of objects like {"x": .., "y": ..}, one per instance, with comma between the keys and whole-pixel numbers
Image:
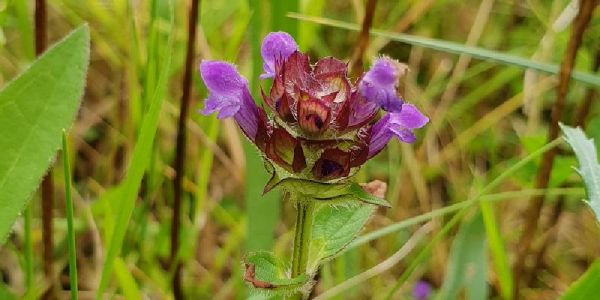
[
  {"x": 70, "y": 231},
  {"x": 304, "y": 220}
]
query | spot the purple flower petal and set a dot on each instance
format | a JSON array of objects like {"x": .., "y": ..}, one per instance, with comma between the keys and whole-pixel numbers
[
  {"x": 276, "y": 46},
  {"x": 221, "y": 77},
  {"x": 229, "y": 96},
  {"x": 410, "y": 117},
  {"x": 226, "y": 87},
  {"x": 399, "y": 124},
  {"x": 379, "y": 83}
]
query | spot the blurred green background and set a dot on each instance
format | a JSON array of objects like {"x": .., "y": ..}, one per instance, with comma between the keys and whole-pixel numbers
[{"x": 484, "y": 115}]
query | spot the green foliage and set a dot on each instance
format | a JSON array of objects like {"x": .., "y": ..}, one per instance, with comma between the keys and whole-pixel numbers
[
  {"x": 334, "y": 228},
  {"x": 125, "y": 194},
  {"x": 34, "y": 109},
  {"x": 266, "y": 271},
  {"x": 497, "y": 249},
  {"x": 5, "y": 293},
  {"x": 467, "y": 264},
  {"x": 587, "y": 286},
  {"x": 69, "y": 212},
  {"x": 589, "y": 169}
]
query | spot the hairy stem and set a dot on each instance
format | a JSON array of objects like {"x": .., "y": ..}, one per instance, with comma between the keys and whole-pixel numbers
[{"x": 304, "y": 221}]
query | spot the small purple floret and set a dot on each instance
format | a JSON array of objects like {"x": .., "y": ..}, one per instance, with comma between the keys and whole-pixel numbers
[
  {"x": 379, "y": 84},
  {"x": 421, "y": 290},
  {"x": 399, "y": 124},
  {"x": 226, "y": 87},
  {"x": 276, "y": 46},
  {"x": 229, "y": 95}
]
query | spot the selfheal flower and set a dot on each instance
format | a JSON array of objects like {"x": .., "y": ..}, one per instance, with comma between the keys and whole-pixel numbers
[{"x": 321, "y": 126}]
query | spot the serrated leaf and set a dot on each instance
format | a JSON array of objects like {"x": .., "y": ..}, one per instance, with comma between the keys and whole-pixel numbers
[
  {"x": 334, "y": 228},
  {"x": 266, "y": 272},
  {"x": 587, "y": 286},
  {"x": 34, "y": 109},
  {"x": 467, "y": 264},
  {"x": 589, "y": 169}
]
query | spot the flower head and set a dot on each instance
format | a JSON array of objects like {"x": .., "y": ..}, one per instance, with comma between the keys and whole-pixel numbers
[{"x": 322, "y": 126}]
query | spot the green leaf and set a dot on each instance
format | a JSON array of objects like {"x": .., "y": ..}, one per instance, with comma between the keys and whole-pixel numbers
[
  {"x": 450, "y": 47},
  {"x": 589, "y": 169},
  {"x": 267, "y": 273},
  {"x": 467, "y": 265},
  {"x": 334, "y": 228},
  {"x": 587, "y": 286},
  {"x": 34, "y": 109}
]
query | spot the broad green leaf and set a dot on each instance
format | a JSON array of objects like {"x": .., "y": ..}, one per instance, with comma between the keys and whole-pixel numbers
[
  {"x": 589, "y": 169},
  {"x": 334, "y": 228},
  {"x": 34, "y": 109},
  {"x": 450, "y": 47},
  {"x": 587, "y": 286},
  {"x": 467, "y": 265},
  {"x": 267, "y": 273}
]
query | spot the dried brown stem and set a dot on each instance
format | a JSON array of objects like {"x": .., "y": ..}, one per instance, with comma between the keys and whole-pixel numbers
[
  {"x": 533, "y": 212},
  {"x": 40, "y": 18},
  {"x": 180, "y": 149},
  {"x": 356, "y": 64}
]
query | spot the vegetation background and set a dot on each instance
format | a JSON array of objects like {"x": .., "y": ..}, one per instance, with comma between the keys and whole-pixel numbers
[{"x": 485, "y": 116}]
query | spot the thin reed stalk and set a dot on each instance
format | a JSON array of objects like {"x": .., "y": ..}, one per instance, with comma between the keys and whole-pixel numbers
[
  {"x": 41, "y": 24},
  {"x": 180, "y": 149}
]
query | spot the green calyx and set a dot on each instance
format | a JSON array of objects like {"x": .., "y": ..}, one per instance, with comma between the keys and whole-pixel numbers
[{"x": 335, "y": 192}]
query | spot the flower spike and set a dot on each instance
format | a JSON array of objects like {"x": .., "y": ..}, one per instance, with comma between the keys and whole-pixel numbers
[{"x": 320, "y": 125}]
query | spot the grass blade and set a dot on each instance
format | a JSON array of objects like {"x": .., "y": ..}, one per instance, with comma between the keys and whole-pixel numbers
[
  {"x": 587, "y": 286},
  {"x": 467, "y": 264},
  {"x": 499, "y": 256},
  {"x": 70, "y": 230},
  {"x": 142, "y": 152},
  {"x": 450, "y": 47}
]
